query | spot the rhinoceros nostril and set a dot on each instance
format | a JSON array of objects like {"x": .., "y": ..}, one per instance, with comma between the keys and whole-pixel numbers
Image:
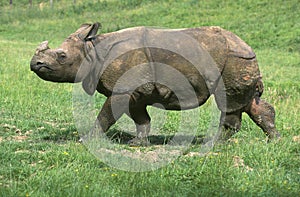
[{"x": 36, "y": 65}]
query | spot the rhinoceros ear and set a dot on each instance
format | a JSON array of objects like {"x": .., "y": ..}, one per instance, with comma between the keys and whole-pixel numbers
[{"x": 88, "y": 31}]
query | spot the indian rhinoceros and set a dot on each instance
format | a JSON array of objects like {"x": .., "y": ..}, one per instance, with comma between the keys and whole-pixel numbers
[{"x": 100, "y": 61}]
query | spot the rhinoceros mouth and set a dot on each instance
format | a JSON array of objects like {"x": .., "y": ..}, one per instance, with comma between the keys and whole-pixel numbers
[{"x": 41, "y": 67}]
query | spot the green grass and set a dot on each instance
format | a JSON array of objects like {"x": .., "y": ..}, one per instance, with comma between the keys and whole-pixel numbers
[{"x": 39, "y": 150}]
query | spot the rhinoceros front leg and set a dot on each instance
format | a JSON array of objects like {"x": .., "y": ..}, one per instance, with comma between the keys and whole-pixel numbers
[
  {"x": 141, "y": 118},
  {"x": 113, "y": 108},
  {"x": 263, "y": 114},
  {"x": 230, "y": 123}
]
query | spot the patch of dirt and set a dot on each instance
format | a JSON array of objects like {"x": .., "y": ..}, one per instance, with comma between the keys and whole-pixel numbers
[
  {"x": 155, "y": 155},
  {"x": 51, "y": 123},
  {"x": 8, "y": 127},
  {"x": 20, "y": 135},
  {"x": 239, "y": 163},
  {"x": 19, "y": 138},
  {"x": 22, "y": 151},
  {"x": 200, "y": 154},
  {"x": 13, "y": 128},
  {"x": 296, "y": 138}
]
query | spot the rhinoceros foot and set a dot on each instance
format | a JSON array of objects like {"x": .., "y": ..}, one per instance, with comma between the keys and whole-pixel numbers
[{"x": 139, "y": 142}]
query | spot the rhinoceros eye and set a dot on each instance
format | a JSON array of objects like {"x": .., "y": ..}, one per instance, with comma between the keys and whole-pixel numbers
[{"x": 61, "y": 56}]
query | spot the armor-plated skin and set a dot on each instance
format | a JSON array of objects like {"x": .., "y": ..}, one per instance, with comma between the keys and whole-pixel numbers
[{"x": 100, "y": 62}]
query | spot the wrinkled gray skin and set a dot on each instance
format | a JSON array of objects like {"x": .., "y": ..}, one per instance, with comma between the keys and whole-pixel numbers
[{"x": 234, "y": 59}]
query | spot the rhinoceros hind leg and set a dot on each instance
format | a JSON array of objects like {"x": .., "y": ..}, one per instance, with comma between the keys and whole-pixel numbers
[
  {"x": 141, "y": 119},
  {"x": 263, "y": 114},
  {"x": 230, "y": 123}
]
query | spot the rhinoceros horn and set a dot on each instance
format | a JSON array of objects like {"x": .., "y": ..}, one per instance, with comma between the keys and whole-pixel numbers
[
  {"x": 88, "y": 31},
  {"x": 42, "y": 47}
]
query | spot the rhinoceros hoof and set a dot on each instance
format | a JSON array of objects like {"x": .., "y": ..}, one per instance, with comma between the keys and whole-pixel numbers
[
  {"x": 274, "y": 137},
  {"x": 139, "y": 142}
]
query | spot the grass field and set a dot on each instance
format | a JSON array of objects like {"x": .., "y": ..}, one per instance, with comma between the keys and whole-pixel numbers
[{"x": 39, "y": 150}]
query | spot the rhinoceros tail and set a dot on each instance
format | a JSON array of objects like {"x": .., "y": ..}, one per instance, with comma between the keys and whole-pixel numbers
[{"x": 259, "y": 87}]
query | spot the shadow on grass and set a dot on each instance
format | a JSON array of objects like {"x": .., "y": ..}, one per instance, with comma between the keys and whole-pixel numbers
[
  {"x": 124, "y": 137},
  {"x": 116, "y": 136},
  {"x": 60, "y": 136}
]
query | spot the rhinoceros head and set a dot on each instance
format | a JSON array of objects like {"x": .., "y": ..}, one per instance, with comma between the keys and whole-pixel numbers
[{"x": 62, "y": 64}]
